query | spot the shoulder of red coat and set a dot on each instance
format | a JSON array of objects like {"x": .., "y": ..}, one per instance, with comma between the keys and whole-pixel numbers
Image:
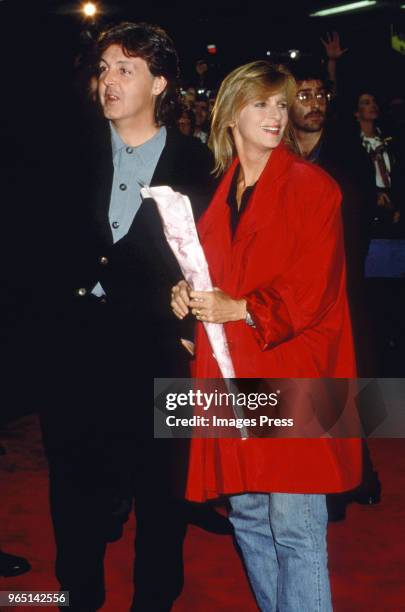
[
  {"x": 308, "y": 172},
  {"x": 315, "y": 189},
  {"x": 312, "y": 177}
]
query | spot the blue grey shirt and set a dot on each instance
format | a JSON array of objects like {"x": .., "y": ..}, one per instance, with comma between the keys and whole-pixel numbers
[{"x": 133, "y": 166}]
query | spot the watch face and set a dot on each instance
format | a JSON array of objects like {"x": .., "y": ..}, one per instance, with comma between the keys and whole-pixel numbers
[{"x": 248, "y": 320}]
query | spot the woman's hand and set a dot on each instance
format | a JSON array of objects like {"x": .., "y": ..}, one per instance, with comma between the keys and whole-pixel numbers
[
  {"x": 216, "y": 306},
  {"x": 180, "y": 299}
]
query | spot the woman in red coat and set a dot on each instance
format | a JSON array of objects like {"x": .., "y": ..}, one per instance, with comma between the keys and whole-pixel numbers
[{"x": 273, "y": 241}]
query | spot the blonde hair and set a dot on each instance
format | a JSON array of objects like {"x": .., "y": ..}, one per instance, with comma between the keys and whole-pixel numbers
[{"x": 254, "y": 81}]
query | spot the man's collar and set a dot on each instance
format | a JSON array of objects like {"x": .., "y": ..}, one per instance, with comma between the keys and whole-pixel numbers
[
  {"x": 313, "y": 155},
  {"x": 116, "y": 142},
  {"x": 145, "y": 150}
]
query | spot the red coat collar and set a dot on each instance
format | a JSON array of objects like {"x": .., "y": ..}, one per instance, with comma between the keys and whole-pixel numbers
[{"x": 257, "y": 213}]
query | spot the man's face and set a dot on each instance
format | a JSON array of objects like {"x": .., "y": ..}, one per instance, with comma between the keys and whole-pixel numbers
[
  {"x": 309, "y": 108},
  {"x": 127, "y": 90},
  {"x": 201, "y": 112}
]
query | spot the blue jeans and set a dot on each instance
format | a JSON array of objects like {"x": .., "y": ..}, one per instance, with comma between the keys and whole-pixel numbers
[{"x": 282, "y": 537}]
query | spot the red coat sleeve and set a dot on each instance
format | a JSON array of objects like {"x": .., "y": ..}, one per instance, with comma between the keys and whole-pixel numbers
[{"x": 300, "y": 298}]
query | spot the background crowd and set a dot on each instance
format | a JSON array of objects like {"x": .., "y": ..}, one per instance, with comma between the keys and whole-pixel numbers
[
  {"x": 361, "y": 133},
  {"x": 357, "y": 133}
]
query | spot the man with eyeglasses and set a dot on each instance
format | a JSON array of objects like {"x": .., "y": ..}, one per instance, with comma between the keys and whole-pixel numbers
[
  {"x": 319, "y": 141},
  {"x": 308, "y": 115}
]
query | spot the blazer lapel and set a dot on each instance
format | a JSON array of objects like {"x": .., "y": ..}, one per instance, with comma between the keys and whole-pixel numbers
[
  {"x": 164, "y": 171},
  {"x": 147, "y": 215},
  {"x": 101, "y": 188}
]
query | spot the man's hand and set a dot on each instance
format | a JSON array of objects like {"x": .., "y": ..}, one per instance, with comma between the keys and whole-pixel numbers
[
  {"x": 332, "y": 46},
  {"x": 216, "y": 306},
  {"x": 180, "y": 300}
]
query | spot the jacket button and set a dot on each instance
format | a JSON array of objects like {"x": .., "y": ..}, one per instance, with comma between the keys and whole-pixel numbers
[
  {"x": 103, "y": 260},
  {"x": 82, "y": 291}
]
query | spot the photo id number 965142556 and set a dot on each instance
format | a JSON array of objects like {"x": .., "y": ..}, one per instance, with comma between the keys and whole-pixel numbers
[{"x": 34, "y": 598}]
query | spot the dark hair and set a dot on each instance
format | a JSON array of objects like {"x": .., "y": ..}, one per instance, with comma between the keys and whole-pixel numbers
[
  {"x": 152, "y": 44},
  {"x": 305, "y": 70},
  {"x": 190, "y": 115},
  {"x": 361, "y": 91}
]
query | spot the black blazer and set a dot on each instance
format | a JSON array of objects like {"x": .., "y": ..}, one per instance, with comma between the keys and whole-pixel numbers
[{"x": 138, "y": 271}]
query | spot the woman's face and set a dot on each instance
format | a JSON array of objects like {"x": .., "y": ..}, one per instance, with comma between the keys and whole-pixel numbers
[
  {"x": 260, "y": 125},
  {"x": 367, "y": 109}
]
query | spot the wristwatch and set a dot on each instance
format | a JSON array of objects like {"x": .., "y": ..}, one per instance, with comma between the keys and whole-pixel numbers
[{"x": 248, "y": 320}]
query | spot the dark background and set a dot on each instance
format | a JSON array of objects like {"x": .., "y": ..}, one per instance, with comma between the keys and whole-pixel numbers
[
  {"x": 38, "y": 122},
  {"x": 40, "y": 39},
  {"x": 44, "y": 35}
]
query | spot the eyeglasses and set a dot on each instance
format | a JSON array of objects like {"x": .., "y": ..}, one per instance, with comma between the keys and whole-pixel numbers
[{"x": 306, "y": 97}]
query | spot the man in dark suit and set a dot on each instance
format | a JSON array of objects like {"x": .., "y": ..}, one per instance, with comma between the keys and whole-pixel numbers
[
  {"x": 322, "y": 143},
  {"x": 122, "y": 334}
]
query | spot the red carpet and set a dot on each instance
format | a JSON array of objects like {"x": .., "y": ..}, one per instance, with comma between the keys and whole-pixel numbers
[{"x": 367, "y": 551}]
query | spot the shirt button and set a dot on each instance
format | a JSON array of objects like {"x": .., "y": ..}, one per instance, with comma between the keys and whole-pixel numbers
[
  {"x": 103, "y": 260},
  {"x": 115, "y": 224},
  {"x": 123, "y": 187},
  {"x": 82, "y": 291},
  {"x": 130, "y": 150}
]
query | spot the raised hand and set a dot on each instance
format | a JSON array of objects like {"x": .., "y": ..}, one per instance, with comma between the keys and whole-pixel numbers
[{"x": 332, "y": 46}]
